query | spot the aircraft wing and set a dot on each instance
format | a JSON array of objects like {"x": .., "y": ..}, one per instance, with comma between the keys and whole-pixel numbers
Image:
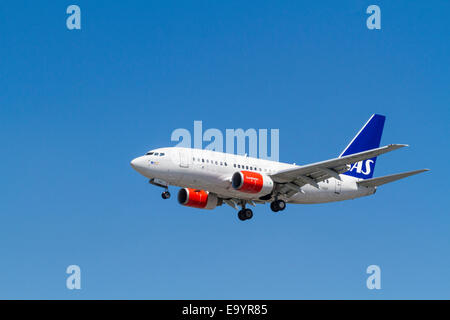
[{"x": 319, "y": 171}]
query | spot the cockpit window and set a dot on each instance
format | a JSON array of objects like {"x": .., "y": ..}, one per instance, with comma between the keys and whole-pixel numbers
[
  {"x": 161, "y": 154},
  {"x": 149, "y": 153},
  {"x": 156, "y": 153}
]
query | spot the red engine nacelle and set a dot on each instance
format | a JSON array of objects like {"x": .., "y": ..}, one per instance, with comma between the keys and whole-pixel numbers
[
  {"x": 197, "y": 198},
  {"x": 252, "y": 182}
]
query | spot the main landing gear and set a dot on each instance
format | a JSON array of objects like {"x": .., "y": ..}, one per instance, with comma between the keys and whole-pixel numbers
[
  {"x": 244, "y": 213},
  {"x": 278, "y": 205}
]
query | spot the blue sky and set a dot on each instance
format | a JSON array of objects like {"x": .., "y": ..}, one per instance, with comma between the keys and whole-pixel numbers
[{"x": 77, "y": 106}]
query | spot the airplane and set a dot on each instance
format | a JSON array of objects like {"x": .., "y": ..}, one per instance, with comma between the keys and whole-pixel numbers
[{"x": 209, "y": 179}]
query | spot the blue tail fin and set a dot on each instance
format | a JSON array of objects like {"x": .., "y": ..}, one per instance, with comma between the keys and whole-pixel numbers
[{"x": 367, "y": 138}]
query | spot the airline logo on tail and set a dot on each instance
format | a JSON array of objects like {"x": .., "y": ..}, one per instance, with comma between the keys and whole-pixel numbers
[
  {"x": 367, "y": 138},
  {"x": 362, "y": 167}
]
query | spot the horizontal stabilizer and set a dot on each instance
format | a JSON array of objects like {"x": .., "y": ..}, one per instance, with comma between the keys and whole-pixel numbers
[{"x": 374, "y": 182}]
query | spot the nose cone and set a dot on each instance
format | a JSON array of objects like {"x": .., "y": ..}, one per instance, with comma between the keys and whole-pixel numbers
[
  {"x": 133, "y": 163},
  {"x": 138, "y": 164}
]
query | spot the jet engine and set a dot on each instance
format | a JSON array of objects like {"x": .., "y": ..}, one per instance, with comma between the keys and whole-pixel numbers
[
  {"x": 252, "y": 182},
  {"x": 198, "y": 198}
]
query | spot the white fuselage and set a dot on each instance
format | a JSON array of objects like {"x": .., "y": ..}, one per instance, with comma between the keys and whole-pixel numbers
[{"x": 212, "y": 171}]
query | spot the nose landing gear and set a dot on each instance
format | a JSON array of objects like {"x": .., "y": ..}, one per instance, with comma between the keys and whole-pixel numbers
[
  {"x": 162, "y": 184},
  {"x": 165, "y": 194}
]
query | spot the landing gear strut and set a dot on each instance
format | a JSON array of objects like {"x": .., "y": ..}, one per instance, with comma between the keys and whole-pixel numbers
[
  {"x": 245, "y": 214},
  {"x": 165, "y": 194},
  {"x": 162, "y": 184},
  {"x": 278, "y": 205}
]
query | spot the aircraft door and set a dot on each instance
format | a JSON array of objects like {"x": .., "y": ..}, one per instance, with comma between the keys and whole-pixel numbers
[
  {"x": 184, "y": 159},
  {"x": 338, "y": 186}
]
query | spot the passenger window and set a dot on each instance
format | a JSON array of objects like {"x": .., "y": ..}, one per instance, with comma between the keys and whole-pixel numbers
[
  {"x": 247, "y": 168},
  {"x": 225, "y": 164},
  {"x": 234, "y": 165},
  {"x": 221, "y": 163},
  {"x": 203, "y": 160},
  {"x": 216, "y": 162},
  {"x": 239, "y": 166}
]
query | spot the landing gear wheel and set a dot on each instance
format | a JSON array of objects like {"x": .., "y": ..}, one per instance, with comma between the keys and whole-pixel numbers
[
  {"x": 165, "y": 195},
  {"x": 241, "y": 215},
  {"x": 281, "y": 205},
  {"x": 278, "y": 205},
  {"x": 245, "y": 214},
  {"x": 248, "y": 214},
  {"x": 274, "y": 206}
]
